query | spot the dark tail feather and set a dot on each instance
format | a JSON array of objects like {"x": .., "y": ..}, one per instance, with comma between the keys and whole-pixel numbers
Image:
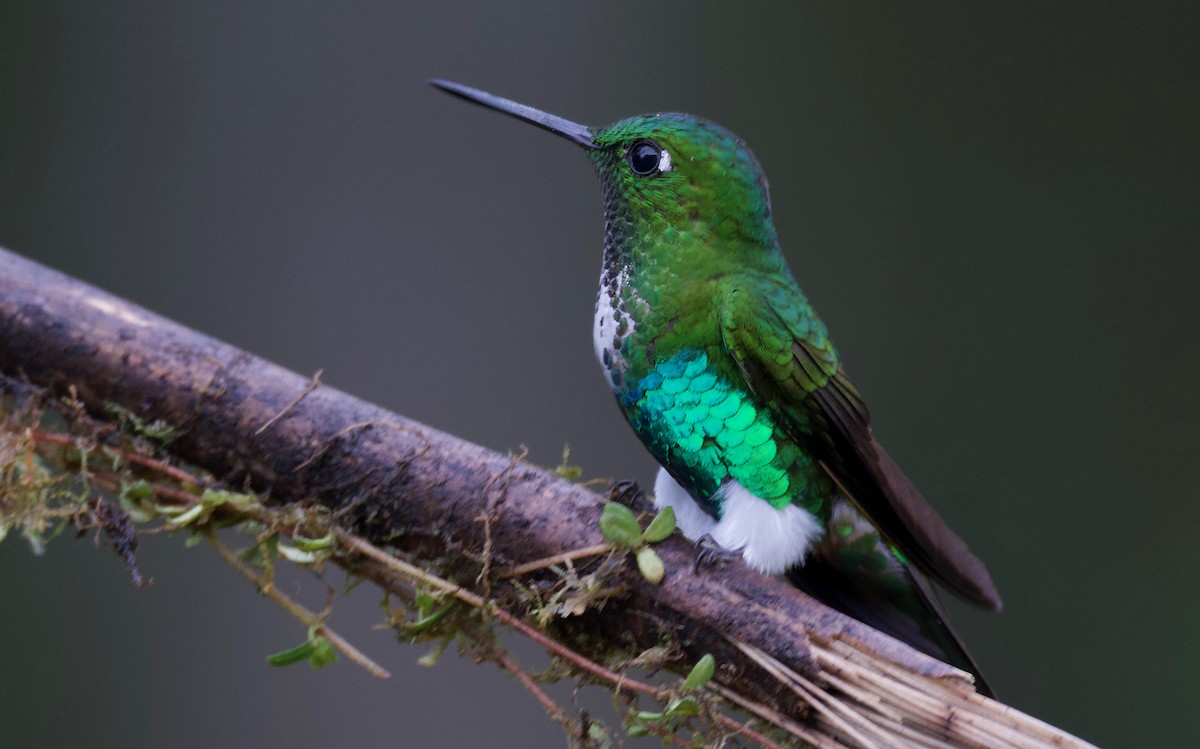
[{"x": 914, "y": 615}]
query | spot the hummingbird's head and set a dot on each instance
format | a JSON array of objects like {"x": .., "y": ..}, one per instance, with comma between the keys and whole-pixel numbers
[
  {"x": 669, "y": 180},
  {"x": 669, "y": 174}
]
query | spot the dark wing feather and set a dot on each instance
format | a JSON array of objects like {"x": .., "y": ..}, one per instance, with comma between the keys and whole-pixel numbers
[{"x": 786, "y": 358}]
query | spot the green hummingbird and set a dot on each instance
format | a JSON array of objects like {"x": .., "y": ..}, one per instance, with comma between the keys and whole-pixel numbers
[{"x": 727, "y": 375}]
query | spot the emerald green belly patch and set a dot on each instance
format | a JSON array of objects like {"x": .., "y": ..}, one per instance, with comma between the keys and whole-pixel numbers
[{"x": 707, "y": 431}]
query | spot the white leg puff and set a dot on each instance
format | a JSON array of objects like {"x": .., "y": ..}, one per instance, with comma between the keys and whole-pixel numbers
[
  {"x": 693, "y": 521},
  {"x": 770, "y": 540}
]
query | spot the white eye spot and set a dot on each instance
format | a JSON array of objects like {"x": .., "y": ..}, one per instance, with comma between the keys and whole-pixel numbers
[{"x": 664, "y": 163}]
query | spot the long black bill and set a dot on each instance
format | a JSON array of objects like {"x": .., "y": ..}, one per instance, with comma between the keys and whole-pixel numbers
[{"x": 572, "y": 131}]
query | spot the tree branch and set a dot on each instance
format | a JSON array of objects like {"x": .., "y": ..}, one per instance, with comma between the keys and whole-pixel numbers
[{"x": 466, "y": 511}]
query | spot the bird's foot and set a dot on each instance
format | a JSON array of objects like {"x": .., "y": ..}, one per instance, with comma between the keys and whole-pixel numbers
[
  {"x": 709, "y": 553},
  {"x": 628, "y": 493}
]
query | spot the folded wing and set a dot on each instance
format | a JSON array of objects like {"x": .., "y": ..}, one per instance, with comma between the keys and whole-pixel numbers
[{"x": 787, "y": 359}]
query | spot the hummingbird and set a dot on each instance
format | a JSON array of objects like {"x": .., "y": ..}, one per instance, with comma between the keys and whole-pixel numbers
[{"x": 726, "y": 374}]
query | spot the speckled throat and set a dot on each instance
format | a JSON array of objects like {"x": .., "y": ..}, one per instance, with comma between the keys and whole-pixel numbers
[{"x": 616, "y": 303}]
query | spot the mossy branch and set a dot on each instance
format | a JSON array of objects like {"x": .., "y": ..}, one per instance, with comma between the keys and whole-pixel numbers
[{"x": 416, "y": 510}]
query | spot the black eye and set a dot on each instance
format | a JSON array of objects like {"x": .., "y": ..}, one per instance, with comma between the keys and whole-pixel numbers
[{"x": 644, "y": 157}]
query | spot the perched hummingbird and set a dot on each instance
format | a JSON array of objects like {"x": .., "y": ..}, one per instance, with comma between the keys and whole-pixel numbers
[{"x": 729, "y": 378}]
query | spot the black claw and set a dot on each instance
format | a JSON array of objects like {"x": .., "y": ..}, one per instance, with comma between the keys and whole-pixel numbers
[
  {"x": 709, "y": 553},
  {"x": 627, "y": 492}
]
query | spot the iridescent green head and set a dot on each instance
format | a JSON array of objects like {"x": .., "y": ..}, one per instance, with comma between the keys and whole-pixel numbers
[{"x": 669, "y": 179}]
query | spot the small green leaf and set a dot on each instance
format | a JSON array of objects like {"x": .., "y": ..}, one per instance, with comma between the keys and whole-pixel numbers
[
  {"x": 637, "y": 730},
  {"x": 619, "y": 526},
  {"x": 424, "y": 601},
  {"x": 313, "y": 544},
  {"x": 427, "y": 622},
  {"x": 683, "y": 706},
  {"x": 701, "y": 673},
  {"x": 316, "y": 650},
  {"x": 661, "y": 526},
  {"x": 136, "y": 491},
  {"x": 216, "y": 497},
  {"x": 183, "y": 518},
  {"x": 322, "y": 654},
  {"x": 651, "y": 565},
  {"x": 599, "y": 736},
  {"x": 294, "y": 655},
  {"x": 296, "y": 556}
]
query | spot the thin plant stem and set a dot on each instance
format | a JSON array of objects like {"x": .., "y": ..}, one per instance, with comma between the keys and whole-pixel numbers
[{"x": 298, "y": 610}]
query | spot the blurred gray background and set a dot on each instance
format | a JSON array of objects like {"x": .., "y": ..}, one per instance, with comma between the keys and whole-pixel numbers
[{"x": 995, "y": 209}]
